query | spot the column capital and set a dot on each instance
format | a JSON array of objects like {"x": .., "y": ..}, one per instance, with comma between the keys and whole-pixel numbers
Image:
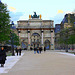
[
  {"x": 19, "y": 31},
  {"x": 51, "y": 31},
  {"x": 28, "y": 31},
  {"x": 42, "y": 31}
]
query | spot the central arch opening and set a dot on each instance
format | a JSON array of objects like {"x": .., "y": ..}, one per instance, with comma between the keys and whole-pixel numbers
[{"x": 35, "y": 40}]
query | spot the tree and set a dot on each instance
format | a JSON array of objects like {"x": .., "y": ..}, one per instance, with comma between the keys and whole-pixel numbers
[
  {"x": 72, "y": 39},
  {"x": 16, "y": 39},
  {"x": 4, "y": 23}
]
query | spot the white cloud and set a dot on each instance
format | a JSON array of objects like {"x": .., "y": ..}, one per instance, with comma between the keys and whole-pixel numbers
[
  {"x": 12, "y": 9},
  {"x": 58, "y": 18},
  {"x": 60, "y": 11},
  {"x": 15, "y": 16}
]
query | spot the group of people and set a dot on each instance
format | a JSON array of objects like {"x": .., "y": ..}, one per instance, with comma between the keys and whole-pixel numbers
[
  {"x": 18, "y": 51},
  {"x": 38, "y": 50},
  {"x": 2, "y": 56}
]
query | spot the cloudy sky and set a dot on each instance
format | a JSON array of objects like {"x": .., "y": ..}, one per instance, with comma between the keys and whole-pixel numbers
[{"x": 49, "y": 9}]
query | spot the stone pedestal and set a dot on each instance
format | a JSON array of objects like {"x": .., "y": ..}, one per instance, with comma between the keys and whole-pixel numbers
[{"x": 28, "y": 46}]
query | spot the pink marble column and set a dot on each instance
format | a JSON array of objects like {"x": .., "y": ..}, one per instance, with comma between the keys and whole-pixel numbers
[
  {"x": 28, "y": 39},
  {"x": 51, "y": 38},
  {"x": 19, "y": 35},
  {"x": 19, "y": 32},
  {"x": 42, "y": 39},
  {"x": 52, "y": 41}
]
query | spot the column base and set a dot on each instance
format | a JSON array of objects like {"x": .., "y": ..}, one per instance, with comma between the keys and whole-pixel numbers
[
  {"x": 28, "y": 46},
  {"x": 52, "y": 47},
  {"x": 42, "y": 45}
]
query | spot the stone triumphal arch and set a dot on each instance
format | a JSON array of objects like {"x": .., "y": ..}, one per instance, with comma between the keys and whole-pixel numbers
[{"x": 36, "y": 32}]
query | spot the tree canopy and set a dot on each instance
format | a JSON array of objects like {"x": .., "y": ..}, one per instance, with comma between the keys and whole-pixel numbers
[
  {"x": 5, "y": 27},
  {"x": 67, "y": 36},
  {"x": 4, "y": 23}
]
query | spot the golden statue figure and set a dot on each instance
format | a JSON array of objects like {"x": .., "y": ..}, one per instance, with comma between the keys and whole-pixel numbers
[
  {"x": 40, "y": 16},
  {"x": 29, "y": 16}
]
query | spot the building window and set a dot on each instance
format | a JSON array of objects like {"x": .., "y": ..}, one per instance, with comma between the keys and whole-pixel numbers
[{"x": 37, "y": 40}]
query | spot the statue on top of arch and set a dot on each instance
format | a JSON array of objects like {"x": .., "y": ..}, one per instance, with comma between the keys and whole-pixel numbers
[{"x": 35, "y": 15}]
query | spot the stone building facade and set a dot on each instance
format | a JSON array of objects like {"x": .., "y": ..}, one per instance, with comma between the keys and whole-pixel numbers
[
  {"x": 66, "y": 30},
  {"x": 36, "y": 32}
]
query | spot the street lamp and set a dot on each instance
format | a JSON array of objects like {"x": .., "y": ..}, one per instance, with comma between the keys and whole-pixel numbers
[
  {"x": 12, "y": 40},
  {"x": 74, "y": 24},
  {"x": 19, "y": 36},
  {"x": 66, "y": 40}
]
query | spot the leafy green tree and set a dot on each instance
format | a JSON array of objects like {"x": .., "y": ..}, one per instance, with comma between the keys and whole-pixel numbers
[
  {"x": 72, "y": 36},
  {"x": 63, "y": 36},
  {"x": 16, "y": 39},
  {"x": 4, "y": 23},
  {"x": 72, "y": 39},
  {"x": 67, "y": 36}
]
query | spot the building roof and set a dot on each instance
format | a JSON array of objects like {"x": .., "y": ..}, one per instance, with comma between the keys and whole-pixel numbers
[{"x": 0, "y": 1}]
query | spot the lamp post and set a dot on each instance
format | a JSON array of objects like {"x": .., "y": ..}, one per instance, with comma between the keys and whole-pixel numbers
[
  {"x": 66, "y": 40},
  {"x": 74, "y": 24},
  {"x": 19, "y": 36},
  {"x": 12, "y": 40}
]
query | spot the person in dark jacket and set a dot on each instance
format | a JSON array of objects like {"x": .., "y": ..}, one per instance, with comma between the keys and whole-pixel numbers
[
  {"x": 20, "y": 51},
  {"x": 17, "y": 51},
  {"x": 35, "y": 50},
  {"x": 44, "y": 49},
  {"x": 2, "y": 56},
  {"x": 31, "y": 48},
  {"x": 40, "y": 49}
]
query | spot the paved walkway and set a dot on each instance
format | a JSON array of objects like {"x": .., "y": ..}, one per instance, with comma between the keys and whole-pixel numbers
[
  {"x": 48, "y": 63},
  {"x": 10, "y": 62}
]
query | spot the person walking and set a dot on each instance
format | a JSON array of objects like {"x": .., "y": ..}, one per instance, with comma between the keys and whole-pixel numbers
[
  {"x": 44, "y": 49},
  {"x": 2, "y": 56},
  {"x": 31, "y": 48},
  {"x": 40, "y": 49},
  {"x": 35, "y": 50},
  {"x": 20, "y": 51},
  {"x": 17, "y": 51}
]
